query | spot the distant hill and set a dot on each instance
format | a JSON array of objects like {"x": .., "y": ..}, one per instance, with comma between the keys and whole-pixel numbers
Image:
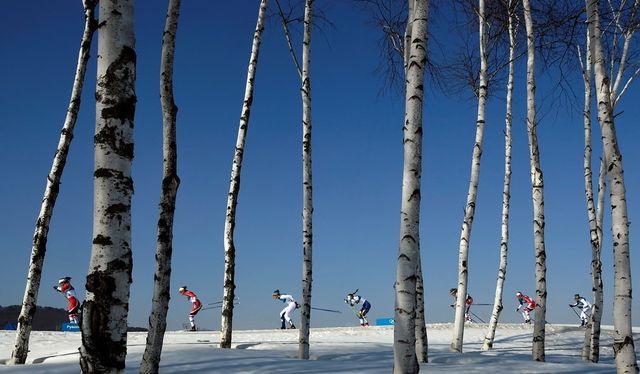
[{"x": 45, "y": 319}]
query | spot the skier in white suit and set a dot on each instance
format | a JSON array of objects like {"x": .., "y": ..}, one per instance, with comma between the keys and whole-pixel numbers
[
  {"x": 585, "y": 309},
  {"x": 285, "y": 314}
]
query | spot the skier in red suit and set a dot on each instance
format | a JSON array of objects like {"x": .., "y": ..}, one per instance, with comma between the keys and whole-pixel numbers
[
  {"x": 527, "y": 305},
  {"x": 195, "y": 307},
  {"x": 64, "y": 286}
]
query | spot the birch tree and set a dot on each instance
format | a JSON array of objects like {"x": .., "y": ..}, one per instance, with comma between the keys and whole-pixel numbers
[
  {"x": 422, "y": 344},
  {"x": 625, "y": 72},
  {"x": 39, "y": 242},
  {"x": 537, "y": 193},
  {"x": 623, "y": 344},
  {"x": 596, "y": 268},
  {"x": 392, "y": 17},
  {"x": 506, "y": 190},
  {"x": 226, "y": 328},
  {"x": 588, "y": 184},
  {"x": 307, "y": 204},
  {"x": 620, "y": 65},
  {"x": 469, "y": 211},
  {"x": 404, "y": 347},
  {"x": 307, "y": 210},
  {"x": 106, "y": 306},
  {"x": 591, "y": 348},
  {"x": 170, "y": 183}
]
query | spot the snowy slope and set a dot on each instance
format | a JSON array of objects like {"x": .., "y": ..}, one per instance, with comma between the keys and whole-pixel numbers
[{"x": 333, "y": 350}]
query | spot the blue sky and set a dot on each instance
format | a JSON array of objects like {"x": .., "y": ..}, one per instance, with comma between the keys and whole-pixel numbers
[{"x": 357, "y": 166}]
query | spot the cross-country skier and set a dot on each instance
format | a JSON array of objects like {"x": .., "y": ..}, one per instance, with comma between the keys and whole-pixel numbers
[
  {"x": 64, "y": 286},
  {"x": 585, "y": 307},
  {"x": 527, "y": 306},
  {"x": 352, "y": 299},
  {"x": 196, "y": 305},
  {"x": 468, "y": 301},
  {"x": 285, "y": 314}
]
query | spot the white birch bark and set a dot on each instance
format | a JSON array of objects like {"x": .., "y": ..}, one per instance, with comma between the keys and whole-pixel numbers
[
  {"x": 404, "y": 347},
  {"x": 469, "y": 211},
  {"x": 422, "y": 343},
  {"x": 106, "y": 305},
  {"x": 623, "y": 344},
  {"x": 506, "y": 190},
  {"x": 407, "y": 34},
  {"x": 170, "y": 182},
  {"x": 622, "y": 63},
  {"x": 307, "y": 210},
  {"x": 537, "y": 193},
  {"x": 598, "y": 297},
  {"x": 287, "y": 36},
  {"x": 39, "y": 242},
  {"x": 226, "y": 324},
  {"x": 591, "y": 347},
  {"x": 591, "y": 350}
]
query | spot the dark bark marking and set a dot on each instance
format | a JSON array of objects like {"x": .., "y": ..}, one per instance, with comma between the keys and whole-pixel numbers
[{"x": 102, "y": 240}]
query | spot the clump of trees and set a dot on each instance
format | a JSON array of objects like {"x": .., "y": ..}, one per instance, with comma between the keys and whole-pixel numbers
[{"x": 554, "y": 32}]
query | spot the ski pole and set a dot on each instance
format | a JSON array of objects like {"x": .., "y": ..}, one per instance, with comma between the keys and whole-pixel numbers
[
  {"x": 216, "y": 306},
  {"x": 475, "y": 315},
  {"x": 221, "y": 301},
  {"x": 574, "y": 311},
  {"x": 476, "y": 304},
  {"x": 354, "y": 310},
  {"x": 327, "y": 310}
]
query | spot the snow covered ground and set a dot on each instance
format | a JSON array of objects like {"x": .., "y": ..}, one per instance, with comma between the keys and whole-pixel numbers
[{"x": 333, "y": 350}]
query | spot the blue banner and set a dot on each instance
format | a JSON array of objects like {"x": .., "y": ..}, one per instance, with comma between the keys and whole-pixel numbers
[
  {"x": 385, "y": 321},
  {"x": 70, "y": 327}
]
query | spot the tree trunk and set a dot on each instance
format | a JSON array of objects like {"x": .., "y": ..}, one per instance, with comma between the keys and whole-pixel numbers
[
  {"x": 39, "y": 243},
  {"x": 170, "y": 183},
  {"x": 591, "y": 346},
  {"x": 307, "y": 210},
  {"x": 537, "y": 192},
  {"x": 404, "y": 347},
  {"x": 506, "y": 190},
  {"x": 422, "y": 344},
  {"x": 596, "y": 313},
  {"x": 623, "y": 344},
  {"x": 469, "y": 211},
  {"x": 226, "y": 324},
  {"x": 106, "y": 305}
]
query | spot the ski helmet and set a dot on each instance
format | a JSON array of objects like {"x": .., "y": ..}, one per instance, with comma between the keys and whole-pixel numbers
[
  {"x": 577, "y": 296},
  {"x": 276, "y": 292},
  {"x": 64, "y": 280},
  {"x": 518, "y": 293},
  {"x": 182, "y": 289},
  {"x": 453, "y": 291}
]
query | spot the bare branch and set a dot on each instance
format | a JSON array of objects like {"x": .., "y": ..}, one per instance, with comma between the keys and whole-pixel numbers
[{"x": 286, "y": 19}]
